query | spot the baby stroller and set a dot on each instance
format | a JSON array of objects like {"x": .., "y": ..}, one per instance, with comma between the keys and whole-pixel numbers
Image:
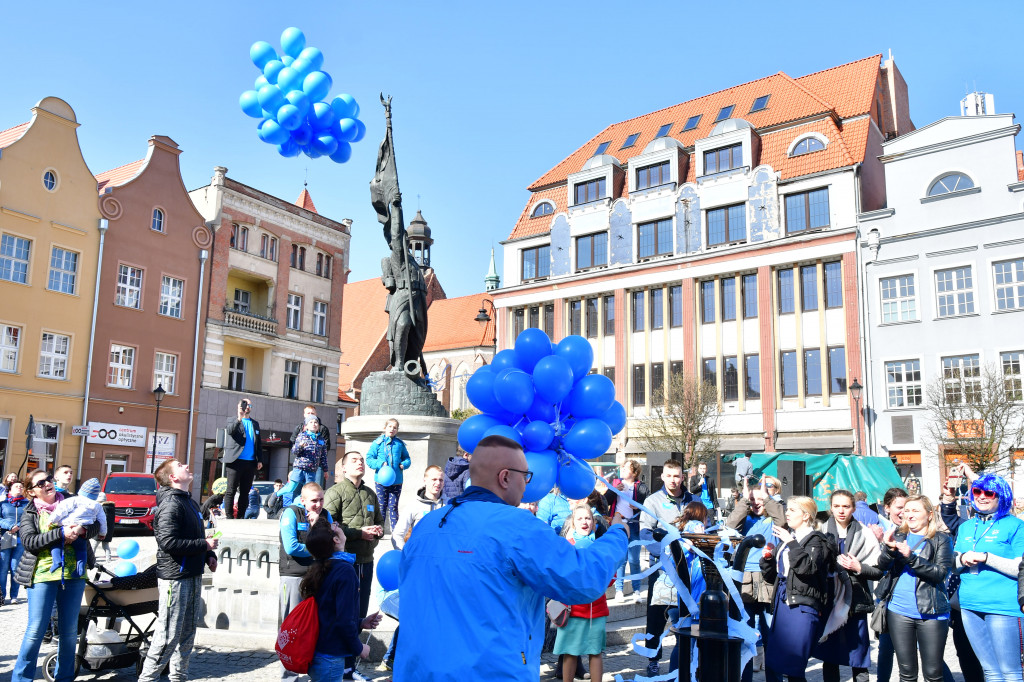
[{"x": 109, "y": 631}]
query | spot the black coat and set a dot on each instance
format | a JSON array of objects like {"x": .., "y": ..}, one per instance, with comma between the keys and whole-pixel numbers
[
  {"x": 694, "y": 485},
  {"x": 234, "y": 442},
  {"x": 809, "y": 563},
  {"x": 36, "y": 543},
  {"x": 932, "y": 566},
  {"x": 180, "y": 535},
  {"x": 640, "y": 493},
  {"x": 863, "y": 601}
]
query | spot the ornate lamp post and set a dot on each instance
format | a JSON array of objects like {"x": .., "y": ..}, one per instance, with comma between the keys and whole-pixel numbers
[
  {"x": 158, "y": 396},
  {"x": 855, "y": 389},
  {"x": 483, "y": 318}
]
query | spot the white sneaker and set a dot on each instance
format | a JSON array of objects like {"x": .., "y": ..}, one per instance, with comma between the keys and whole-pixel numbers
[{"x": 619, "y": 596}]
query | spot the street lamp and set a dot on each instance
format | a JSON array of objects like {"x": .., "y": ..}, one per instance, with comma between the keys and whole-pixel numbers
[
  {"x": 855, "y": 389},
  {"x": 483, "y": 318},
  {"x": 158, "y": 396}
]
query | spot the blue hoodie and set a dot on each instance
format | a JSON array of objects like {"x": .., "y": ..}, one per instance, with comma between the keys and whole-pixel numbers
[
  {"x": 390, "y": 451},
  {"x": 988, "y": 590}
]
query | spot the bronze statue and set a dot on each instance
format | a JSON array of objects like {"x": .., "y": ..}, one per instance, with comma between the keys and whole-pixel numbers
[{"x": 400, "y": 273}]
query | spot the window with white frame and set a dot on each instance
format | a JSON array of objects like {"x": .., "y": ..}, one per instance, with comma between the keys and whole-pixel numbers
[
  {"x": 951, "y": 182},
  {"x": 319, "y": 318},
  {"x": 899, "y": 304},
  {"x": 236, "y": 373},
  {"x": 165, "y": 369},
  {"x": 291, "y": 379},
  {"x": 129, "y": 287},
  {"x": 46, "y": 441},
  {"x": 961, "y": 378},
  {"x": 10, "y": 344},
  {"x": 170, "y": 296},
  {"x": 242, "y": 300},
  {"x": 1009, "y": 279},
  {"x": 14, "y": 253},
  {"x": 157, "y": 224},
  {"x": 239, "y": 237},
  {"x": 954, "y": 288},
  {"x": 903, "y": 383},
  {"x": 53, "y": 356},
  {"x": 294, "y": 316},
  {"x": 316, "y": 385},
  {"x": 122, "y": 366},
  {"x": 63, "y": 270},
  {"x": 1013, "y": 379},
  {"x": 268, "y": 247}
]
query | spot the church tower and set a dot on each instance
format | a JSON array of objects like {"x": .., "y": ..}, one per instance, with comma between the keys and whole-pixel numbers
[{"x": 492, "y": 281}]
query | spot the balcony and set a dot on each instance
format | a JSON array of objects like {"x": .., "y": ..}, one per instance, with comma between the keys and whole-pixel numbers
[{"x": 250, "y": 321}]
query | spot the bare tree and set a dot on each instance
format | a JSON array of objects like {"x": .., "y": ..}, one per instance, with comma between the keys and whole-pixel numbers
[
  {"x": 687, "y": 423},
  {"x": 977, "y": 414}
]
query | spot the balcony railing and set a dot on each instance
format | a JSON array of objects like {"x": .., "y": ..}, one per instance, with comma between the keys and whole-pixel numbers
[{"x": 250, "y": 321}]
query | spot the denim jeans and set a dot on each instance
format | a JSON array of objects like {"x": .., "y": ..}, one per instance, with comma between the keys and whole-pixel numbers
[
  {"x": 996, "y": 640},
  {"x": 41, "y": 599},
  {"x": 293, "y": 488},
  {"x": 9, "y": 559},
  {"x": 632, "y": 558},
  {"x": 326, "y": 667}
]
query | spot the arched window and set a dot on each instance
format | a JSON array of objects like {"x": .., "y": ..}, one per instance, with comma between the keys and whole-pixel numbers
[
  {"x": 543, "y": 208},
  {"x": 950, "y": 182},
  {"x": 808, "y": 145},
  {"x": 158, "y": 220}
]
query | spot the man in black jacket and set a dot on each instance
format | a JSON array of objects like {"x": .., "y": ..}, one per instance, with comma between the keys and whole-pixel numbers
[
  {"x": 243, "y": 457},
  {"x": 183, "y": 552},
  {"x": 703, "y": 489}
]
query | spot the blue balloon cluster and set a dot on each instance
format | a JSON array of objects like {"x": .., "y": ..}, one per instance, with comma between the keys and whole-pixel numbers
[
  {"x": 542, "y": 396},
  {"x": 289, "y": 98}
]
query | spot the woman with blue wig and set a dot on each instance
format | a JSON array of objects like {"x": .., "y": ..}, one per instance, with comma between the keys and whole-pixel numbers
[{"x": 988, "y": 554}]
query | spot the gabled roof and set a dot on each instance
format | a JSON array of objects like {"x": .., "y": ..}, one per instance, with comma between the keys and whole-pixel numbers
[
  {"x": 116, "y": 177},
  {"x": 11, "y": 135},
  {"x": 451, "y": 324},
  {"x": 305, "y": 201}
]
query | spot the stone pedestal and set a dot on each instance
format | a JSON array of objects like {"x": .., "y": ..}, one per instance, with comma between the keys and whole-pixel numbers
[
  {"x": 242, "y": 594},
  {"x": 392, "y": 393}
]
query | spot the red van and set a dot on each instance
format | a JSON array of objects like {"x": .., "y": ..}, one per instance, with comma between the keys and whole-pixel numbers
[{"x": 134, "y": 498}]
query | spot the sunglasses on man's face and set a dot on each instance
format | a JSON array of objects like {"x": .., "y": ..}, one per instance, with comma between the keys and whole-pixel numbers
[
  {"x": 987, "y": 494},
  {"x": 41, "y": 483}
]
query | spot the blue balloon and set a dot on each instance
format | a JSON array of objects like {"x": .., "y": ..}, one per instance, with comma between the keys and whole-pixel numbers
[
  {"x": 261, "y": 80},
  {"x": 344, "y": 128},
  {"x": 345, "y": 106},
  {"x": 123, "y": 569},
  {"x": 544, "y": 466},
  {"x": 385, "y": 476},
  {"x": 537, "y": 435},
  {"x": 577, "y": 352},
  {"x": 387, "y": 569},
  {"x": 541, "y": 410},
  {"x": 271, "y": 132},
  {"x": 360, "y": 128},
  {"x": 288, "y": 148},
  {"x": 127, "y": 549},
  {"x": 313, "y": 56},
  {"x": 320, "y": 116},
  {"x": 504, "y": 359},
  {"x": 576, "y": 479},
  {"x": 325, "y": 144},
  {"x": 289, "y": 79},
  {"x": 310, "y": 151},
  {"x": 552, "y": 378},
  {"x": 271, "y": 98},
  {"x": 531, "y": 345},
  {"x": 293, "y": 41},
  {"x": 250, "y": 103},
  {"x": 592, "y": 396},
  {"x": 303, "y": 66},
  {"x": 473, "y": 429},
  {"x": 615, "y": 417},
  {"x": 288, "y": 117},
  {"x": 302, "y": 135},
  {"x": 506, "y": 431},
  {"x": 514, "y": 391},
  {"x": 298, "y": 99},
  {"x": 261, "y": 52},
  {"x": 343, "y": 153},
  {"x": 480, "y": 391},
  {"x": 272, "y": 69},
  {"x": 316, "y": 85},
  {"x": 589, "y": 438},
  {"x": 287, "y": 60}
]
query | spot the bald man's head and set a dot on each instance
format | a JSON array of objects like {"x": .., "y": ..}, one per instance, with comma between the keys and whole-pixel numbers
[{"x": 499, "y": 465}]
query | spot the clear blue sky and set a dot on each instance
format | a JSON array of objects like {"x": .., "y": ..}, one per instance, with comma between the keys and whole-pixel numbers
[{"x": 487, "y": 96}]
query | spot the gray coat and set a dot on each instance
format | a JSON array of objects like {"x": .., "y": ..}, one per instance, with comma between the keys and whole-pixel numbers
[{"x": 667, "y": 509}]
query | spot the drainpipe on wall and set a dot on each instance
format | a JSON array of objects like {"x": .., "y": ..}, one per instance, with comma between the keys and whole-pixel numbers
[
  {"x": 104, "y": 225},
  {"x": 203, "y": 255}
]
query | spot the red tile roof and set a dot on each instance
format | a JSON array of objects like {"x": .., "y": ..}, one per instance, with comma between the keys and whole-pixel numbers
[
  {"x": 451, "y": 323},
  {"x": 116, "y": 177},
  {"x": 849, "y": 88},
  {"x": 364, "y": 325},
  {"x": 11, "y": 135},
  {"x": 305, "y": 201}
]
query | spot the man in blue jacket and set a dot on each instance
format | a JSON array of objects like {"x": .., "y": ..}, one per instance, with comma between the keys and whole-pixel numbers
[
  {"x": 475, "y": 573},
  {"x": 388, "y": 450}
]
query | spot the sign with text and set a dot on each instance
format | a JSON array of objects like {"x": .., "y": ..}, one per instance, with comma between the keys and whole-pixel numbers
[
  {"x": 79, "y": 430},
  {"x": 116, "y": 434},
  {"x": 165, "y": 443}
]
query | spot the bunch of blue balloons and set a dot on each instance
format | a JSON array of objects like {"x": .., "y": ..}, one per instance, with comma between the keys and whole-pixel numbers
[
  {"x": 543, "y": 396},
  {"x": 289, "y": 98}
]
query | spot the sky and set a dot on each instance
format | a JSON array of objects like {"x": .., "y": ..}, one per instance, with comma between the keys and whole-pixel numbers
[{"x": 487, "y": 96}]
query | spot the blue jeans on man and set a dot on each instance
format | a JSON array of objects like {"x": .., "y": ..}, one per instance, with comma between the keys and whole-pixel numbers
[
  {"x": 296, "y": 479},
  {"x": 9, "y": 559},
  {"x": 67, "y": 595},
  {"x": 632, "y": 558}
]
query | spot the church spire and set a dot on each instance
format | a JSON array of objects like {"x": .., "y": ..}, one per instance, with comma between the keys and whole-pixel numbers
[{"x": 492, "y": 281}]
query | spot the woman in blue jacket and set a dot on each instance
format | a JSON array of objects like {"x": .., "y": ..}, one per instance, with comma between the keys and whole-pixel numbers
[
  {"x": 388, "y": 450},
  {"x": 988, "y": 554},
  {"x": 12, "y": 505}
]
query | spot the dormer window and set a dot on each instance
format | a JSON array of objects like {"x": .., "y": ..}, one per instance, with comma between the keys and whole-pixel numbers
[
  {"x": 630, "y": 141},
  {"x": 592, "y": 250},
  {"x": 663, "y": 130},
  {"x": 536, "y": 263},
  {"x": 692, "y": 122},
  {"x": 723, "y": 159},
  {"x": 807, "y": 145},
  {"x": 951, "y": 182},
  {"x": 602, "y": 148},
  {"x": 542, "y": 209},
  {"x": 590, "y": 191},
  {"x": 724, "y": 113},
  {"x": 760, "y": 103},
  {"x": 652, "y": 176}
]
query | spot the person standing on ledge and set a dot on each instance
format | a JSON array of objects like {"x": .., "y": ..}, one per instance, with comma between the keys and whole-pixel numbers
[
  {"x": 243, "y": 457},
  {"x": 388, "y": 451}
]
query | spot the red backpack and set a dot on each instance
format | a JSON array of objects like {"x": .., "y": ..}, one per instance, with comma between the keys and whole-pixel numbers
[{"x": 296, "y": 642}]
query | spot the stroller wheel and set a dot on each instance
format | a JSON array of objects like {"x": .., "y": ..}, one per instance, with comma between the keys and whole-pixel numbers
[{"x": 50, "y": 666}]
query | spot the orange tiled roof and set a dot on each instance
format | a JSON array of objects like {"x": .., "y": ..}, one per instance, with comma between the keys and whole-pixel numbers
[
  {"x": 529, "y": 226},
  {"x": 116, "y": 177},
  {"x": 850, "y": 88},
  {"x": 451, "y": 323},
  {"x": 364, "y": 324},
  {"x": 305, "y": 201},
  {"x": 11, "y": 135}
]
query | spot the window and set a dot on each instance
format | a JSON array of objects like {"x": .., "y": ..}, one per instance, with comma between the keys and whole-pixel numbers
[
  {"x": 638, "y": 311},
  {"x": 592, "y": 318},
  {"x": 809, "y": 287},
  {"x": 239, "y": 237},
  {"x": 601, "y": 148},
  {"x": 692, "y": 122},
  {"x": 675, "y": 306},
  {"x": 609, "y": 315},
  {"x": 610, "y": 373},
  {"x": 320, "y": 318},
  {"x": 242, "y": 299},
  {"x": 951, "y": 182},
  {"x": 590, "y": 191},
  {"x": 657, "y": 308},
  {"x": 294, "y": 316},
  {"x": 534, "y": 318},
  {"x": 657, "y": 383},
  {"x": 542, "y": 209},
  {"x": 10, "y": 342},
  {"x": 639, "y": 386},
  {"x": 663, "y": 130},
  {"x": 709, "y": 372},
  {"x": 53, "y": 356},
  {"x": 724, "y": 113},
  {"x": 575, "y": 309},
  {"x": 707, "y": 301},
  {"x": 837, "y": 370},
  {"x": 789, "y": 376},
  {"x": 50, "y": 181},
  {"x": 129, "y": 287},
  {"x": 1012, "y": 376},
  {"x": 675, "y": 367},
  {"x": 728, "y": 285},
  {"x": 549, "y": 320},
  {"x": 961, "y": 376},
  {"x": 1009, "y": 277},
  {"x": 63, "y": 271},
  {"x": 592, "y": 250},
  {"x": 752, "y": 376},
  {"x": 630, "y": 141},
  {"x": 760, "y": 103},
  {"x": 327, "y": 267},
  {"x": 749, "y": 293},
  {"x": 652, "y": 176},
  {"x": 807, "y": 145},
  {"x": 955, "y": 289},
  {"x": 536, "y": 262},
  {"x": 14, "y": 252},
  {"x": 655, "y": 239},
  {"x": 833, "y": 284},
  {"x": 170, "y": 296},
  {"x": 807, "y": 210},
  {"x": 165, "y": 366},
  {"x": 291, "y": 379},
  {"x": 812, "y": 371},
  {"x": 726, "y": 158},
  {"x": 122, "y": 365},
  {"x": 730, "y": 378},
  {"x": 319, "y": 265},
  {"x": 903, "y": 383},
  {"x": 727, "y": 225},
  {"x": 157, "y": 223},
  {"x": 298, "y": 259},
  {"x": 786, "y": 304},
  {"x": 47, "y": 439},
  {"x": 898, "y": 301},
  {"x": 268, "y": 247},
  {"x": 236, "y": 373},
  {"x": 518, "y": 320},
  {"x": 316, "y": 384}
]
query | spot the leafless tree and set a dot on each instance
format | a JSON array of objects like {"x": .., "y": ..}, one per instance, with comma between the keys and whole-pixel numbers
[{"x": 687, "y": 423}]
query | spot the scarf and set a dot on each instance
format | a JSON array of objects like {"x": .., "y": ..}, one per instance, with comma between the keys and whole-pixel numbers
[
  {"x": 344, "y": 556},
  {"x": 858, "y": 544},
  {"x": 582, "y": 541},
  {"x": 42, "y": 506}
]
